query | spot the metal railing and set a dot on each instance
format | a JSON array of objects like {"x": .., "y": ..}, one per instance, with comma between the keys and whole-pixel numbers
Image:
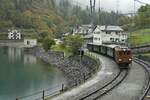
[{"x": 57, "y": 90}]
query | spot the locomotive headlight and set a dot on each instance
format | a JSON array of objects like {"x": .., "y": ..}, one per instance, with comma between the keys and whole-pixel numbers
[
  {"x": 120, "y": 59},
  {"x": 130, "y": 59}
]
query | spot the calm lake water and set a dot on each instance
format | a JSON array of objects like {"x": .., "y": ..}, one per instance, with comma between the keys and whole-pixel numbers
[{"x": 22, "y": 74}]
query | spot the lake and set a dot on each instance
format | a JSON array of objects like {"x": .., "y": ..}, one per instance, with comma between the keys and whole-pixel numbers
[{"x": 22, "y": 74}]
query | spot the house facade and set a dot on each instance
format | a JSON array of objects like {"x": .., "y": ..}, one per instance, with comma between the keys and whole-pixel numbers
[
  {"x": 14, "y": 35},
  {"x": 30, "y": 42},
  {"x": 109, "y": 34},
  {"x": 85, "y": 31}
]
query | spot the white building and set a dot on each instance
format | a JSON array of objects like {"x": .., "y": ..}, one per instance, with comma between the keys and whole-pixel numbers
[
  {"x": 83, "y": 30},
  {"x": 86, "y": 32},
  {"x": 14, "y": 35},
  {"x": 58, "y": 41},
  {"x": 30, "y": 42},
  {"x": 109, "y": 34}
]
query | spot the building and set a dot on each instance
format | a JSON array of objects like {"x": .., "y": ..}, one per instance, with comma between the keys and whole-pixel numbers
[
  {"x": 83, "y": 30},
  {"x": 109, "y": 34},
  {"x": 86, "y": 32},
  {"x": 58, "y": 41},
  {"x": 30, "y": 42},
  {"x": 14, "y": 35}
]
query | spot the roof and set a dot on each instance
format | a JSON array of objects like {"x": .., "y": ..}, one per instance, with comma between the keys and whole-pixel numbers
[
  {"x": 112, "y": 46},
  {"x": 110, "y": 28},
  {"x": 95, "y": 44},
  {"x": 88, "y": 36},
  {"x": 83, "y": 29},
  {"x": 117, "y": 46}
]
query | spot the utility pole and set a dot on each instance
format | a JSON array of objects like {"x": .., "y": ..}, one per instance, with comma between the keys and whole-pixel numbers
[
  {"x": 117, "y": 6},
  {"x": 92, "y": 6},
  {"x": 117, "y": 11},
  {"x": 99, "y": 11},
  {"x": 134, "y": 7}
]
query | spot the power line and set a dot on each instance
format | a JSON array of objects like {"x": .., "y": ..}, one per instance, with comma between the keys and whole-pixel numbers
[{"x": 141, "y": 2}]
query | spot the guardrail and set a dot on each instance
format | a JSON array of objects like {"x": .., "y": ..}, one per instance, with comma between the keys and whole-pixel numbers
[
  {"x": 140, "y": 46},
  {"x": 57, "y": 90}
]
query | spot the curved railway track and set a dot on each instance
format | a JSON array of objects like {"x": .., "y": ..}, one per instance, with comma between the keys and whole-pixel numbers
[
  {"x": 117, "y": 80},
  {"x": 147, "y": 68},
  {"x": 108, "y": 87}
]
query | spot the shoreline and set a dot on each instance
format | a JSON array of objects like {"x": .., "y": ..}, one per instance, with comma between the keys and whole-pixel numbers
[{"x": 74, "y": 68}]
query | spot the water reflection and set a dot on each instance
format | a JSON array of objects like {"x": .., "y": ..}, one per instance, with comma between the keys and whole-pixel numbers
[
  {"x": 14, "y": 54},
  {"x": 22, "y": 74},
  {"x": 29, "y": 59}
]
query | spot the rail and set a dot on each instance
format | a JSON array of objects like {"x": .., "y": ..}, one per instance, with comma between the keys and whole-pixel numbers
[
  {"x": 108, "y": 86},
  {"x": 140, "y": 46},
  {"x": 147, "y": 68}
]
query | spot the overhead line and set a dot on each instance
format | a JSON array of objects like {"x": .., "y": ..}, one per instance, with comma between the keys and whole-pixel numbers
[{"x": 140, "y": 2}]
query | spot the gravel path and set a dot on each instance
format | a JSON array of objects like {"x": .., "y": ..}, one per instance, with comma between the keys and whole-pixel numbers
[
  {"x": 131, "y": 87},
  {"x": 108, "y": 72}
]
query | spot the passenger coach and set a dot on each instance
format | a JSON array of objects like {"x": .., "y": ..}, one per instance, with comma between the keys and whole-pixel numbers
[{"x": 121, "y": 54}]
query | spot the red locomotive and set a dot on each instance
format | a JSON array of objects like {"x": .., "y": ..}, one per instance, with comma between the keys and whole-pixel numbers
[{"x": 121, "y": 54}]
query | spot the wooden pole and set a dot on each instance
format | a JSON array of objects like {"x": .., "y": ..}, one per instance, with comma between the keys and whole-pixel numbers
[
  {"x": 62, "y": 87},
  {"x": 43, "y": 95}
]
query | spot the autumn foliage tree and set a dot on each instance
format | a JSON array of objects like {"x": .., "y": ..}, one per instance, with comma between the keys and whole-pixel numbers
[{"x": 74, "y": 42}]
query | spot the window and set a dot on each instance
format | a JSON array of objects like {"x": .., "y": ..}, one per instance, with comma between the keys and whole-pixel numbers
[
  {"x": 117, "y": 33},
  {"x": 97, "y": 32},
  {"x": 107, "y": 32},
  {"x": 128, "y": 52},
  {"x": 120, "y": 53},
  {"x": 124, "y": 52},
  {"x": 117, "y": 40},
  {"x": 95, "y": 38},
  {"x": 112, "y": 39}
]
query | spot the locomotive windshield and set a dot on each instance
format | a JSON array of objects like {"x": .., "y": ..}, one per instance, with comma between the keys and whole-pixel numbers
[{"x": 124, "y": 53}]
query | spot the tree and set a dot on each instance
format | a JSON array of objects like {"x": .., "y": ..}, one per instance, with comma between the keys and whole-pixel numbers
[
  {"x": 47, "y": 43},
  {"x": 144, "y": 16},
  {"x": 74, "y": 43}
]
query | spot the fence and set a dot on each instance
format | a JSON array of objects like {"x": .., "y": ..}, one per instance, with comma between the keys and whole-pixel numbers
[
  {"x": 49, "y": 93},
  {"x": 140, "y": 45}
]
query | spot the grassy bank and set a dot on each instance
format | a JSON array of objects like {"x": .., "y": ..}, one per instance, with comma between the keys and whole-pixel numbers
[
  {"x": 61, "y": 48},
  {"x": 140, "y": 37}
]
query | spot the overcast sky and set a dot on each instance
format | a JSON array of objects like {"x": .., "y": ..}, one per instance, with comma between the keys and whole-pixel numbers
[{"x": 125, "y": 6}]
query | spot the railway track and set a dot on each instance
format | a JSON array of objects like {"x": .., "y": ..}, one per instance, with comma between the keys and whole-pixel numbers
[
  {"x": 108, "y": 87},
  {"x": 146, "y": 66},
  {"x": 117, "y": 80}
]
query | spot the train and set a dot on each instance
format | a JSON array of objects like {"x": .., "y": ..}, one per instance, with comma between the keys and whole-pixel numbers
[{"x": 122, "y": 55}]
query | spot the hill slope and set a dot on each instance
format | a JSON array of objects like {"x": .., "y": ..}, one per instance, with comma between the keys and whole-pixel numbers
[{"x": 140, "y": 37}]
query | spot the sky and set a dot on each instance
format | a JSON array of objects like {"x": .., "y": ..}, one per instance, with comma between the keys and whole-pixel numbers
[{"x": 125, "y": 6}]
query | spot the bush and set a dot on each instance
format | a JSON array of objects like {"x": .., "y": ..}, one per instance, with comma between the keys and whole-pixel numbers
[
  {"x": 73, "y": 43},
  {"x": 47, "y": 43}
]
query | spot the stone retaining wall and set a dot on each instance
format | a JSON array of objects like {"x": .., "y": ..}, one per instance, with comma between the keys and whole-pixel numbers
[{"x": 74, "y": 67}]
